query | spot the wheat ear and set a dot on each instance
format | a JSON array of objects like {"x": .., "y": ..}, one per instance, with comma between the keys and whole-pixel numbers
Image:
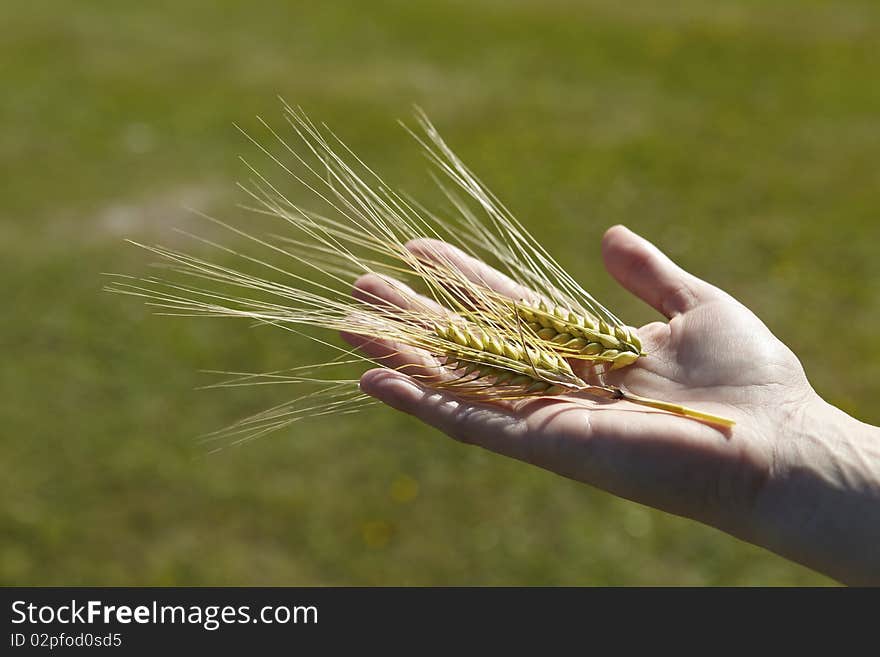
[{"x": 461, "y": 335}]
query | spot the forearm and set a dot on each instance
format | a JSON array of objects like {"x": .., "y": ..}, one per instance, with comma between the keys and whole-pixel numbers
[{"x": 821, "y": 505}]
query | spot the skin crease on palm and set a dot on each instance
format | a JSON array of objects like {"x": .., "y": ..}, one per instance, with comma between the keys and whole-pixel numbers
[{"x": 794, "y": 474}]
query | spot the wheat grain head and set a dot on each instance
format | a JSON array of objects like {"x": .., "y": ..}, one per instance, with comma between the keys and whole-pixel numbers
[{"x": 458, "y": 333}]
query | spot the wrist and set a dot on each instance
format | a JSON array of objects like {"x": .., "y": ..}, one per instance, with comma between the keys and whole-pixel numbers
[{"x": 821, "y": 504}]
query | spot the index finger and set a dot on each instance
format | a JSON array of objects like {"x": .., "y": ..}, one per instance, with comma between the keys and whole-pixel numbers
[{"x": 474, "y": 270}]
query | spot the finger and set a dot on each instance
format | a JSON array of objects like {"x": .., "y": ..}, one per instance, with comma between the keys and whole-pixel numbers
[
  {"x": 473, "y": 270},
  {"x": 669, "y": 462},
  {"x": 648, "y": 273},
  {"x": 540, "y": 431},
  {"x": 387, "y": 292},
  {"x": 396, "y": 356},
  {"x": 493, "y": 427}
]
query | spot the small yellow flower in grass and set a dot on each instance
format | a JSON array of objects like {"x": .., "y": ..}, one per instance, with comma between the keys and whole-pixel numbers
[
  {"x": 377, "y": 533},
  {"x": 404, "y": 489}
]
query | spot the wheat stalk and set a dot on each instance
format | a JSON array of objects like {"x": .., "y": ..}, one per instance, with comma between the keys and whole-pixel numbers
[{"x": 460, "y": 335}]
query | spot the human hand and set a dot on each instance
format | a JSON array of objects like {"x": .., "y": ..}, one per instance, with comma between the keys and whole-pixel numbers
[{"x": 770, "y": 479}]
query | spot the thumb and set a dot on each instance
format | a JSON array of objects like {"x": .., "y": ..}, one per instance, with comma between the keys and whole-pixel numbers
[{"x": 648, "y": 273}]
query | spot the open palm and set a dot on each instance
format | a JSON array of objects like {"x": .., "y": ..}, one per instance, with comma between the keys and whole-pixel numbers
[{"x": 712, "y": 354}]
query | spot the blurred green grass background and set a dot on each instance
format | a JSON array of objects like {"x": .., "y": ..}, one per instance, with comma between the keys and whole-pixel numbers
[{"x": 742, "y": 137}]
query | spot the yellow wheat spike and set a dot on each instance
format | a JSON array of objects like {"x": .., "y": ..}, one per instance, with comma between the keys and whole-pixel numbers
[{"x": 458, "y": 334}]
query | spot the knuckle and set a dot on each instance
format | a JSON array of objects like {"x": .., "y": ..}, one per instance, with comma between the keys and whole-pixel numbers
[{"x": 678, "y": 299}]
